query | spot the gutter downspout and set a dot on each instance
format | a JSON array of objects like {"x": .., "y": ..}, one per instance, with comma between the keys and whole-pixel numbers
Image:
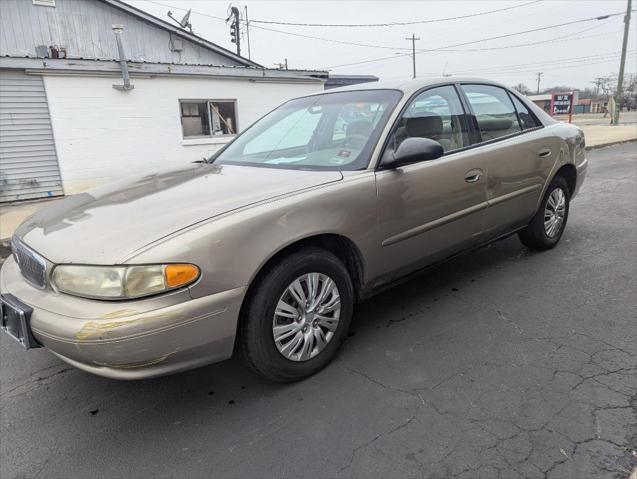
[{"x": 117, "y": 30}]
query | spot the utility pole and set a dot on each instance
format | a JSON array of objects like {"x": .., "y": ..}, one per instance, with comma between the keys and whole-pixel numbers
[
  {"x": 235, "y": 34},
  {"x": 248, "y": 31},
  {"x": 413, "y": 39},
  {"x": 539, "y": 76},
  {"x": 598, "y": 83},
  {"x": 620, "y": 80}
]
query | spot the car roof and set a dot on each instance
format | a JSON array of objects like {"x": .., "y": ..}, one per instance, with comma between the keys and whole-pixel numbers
[{"x": 409, "y": 86}]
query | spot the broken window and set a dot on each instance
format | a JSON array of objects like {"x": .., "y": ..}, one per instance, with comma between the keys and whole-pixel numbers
[{"x": 207, "y": 118}]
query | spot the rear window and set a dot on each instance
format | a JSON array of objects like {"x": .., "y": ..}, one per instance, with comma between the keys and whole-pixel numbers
[{"x": 527, "y": 120}]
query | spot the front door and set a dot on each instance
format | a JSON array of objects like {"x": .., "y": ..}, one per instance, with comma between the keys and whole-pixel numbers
[{"x": 431, "y": 209}]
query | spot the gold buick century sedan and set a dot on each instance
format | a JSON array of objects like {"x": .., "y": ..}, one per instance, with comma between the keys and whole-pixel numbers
[{"x": 264, "y": 249}]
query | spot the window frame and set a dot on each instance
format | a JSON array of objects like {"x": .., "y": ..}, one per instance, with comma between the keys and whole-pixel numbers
[
  {"x": 474, "y": 121},
  {"x": 469, "y": 125},
  {"x": 208, "y": 102}
]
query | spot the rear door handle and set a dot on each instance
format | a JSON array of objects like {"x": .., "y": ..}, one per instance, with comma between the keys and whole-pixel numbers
[
  {"x": 544, "y": 153},
  {"x": 472, "y": 176}
]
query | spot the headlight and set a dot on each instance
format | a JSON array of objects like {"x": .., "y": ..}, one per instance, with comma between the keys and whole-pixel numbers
[{"x": 122, "y": 282}]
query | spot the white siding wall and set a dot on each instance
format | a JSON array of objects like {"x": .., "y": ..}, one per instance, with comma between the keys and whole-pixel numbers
[
  {"x": 103, "y": 134},
  {"x": 28, "y": 164},
  {"x": 84, "y": 28}
]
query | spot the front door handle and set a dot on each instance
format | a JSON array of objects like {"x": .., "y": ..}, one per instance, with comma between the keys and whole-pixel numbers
[
  {"x": 472, "y": 176},
  {"x": 544, "y": 153}
]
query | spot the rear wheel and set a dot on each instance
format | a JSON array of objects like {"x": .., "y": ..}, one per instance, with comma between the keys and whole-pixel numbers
[
  {"x": 547, "y": 226},
  {"x": 297, "y": 315}
]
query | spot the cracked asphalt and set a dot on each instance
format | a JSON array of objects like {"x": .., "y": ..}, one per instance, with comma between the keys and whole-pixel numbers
[{"x": 499, "y": 364}]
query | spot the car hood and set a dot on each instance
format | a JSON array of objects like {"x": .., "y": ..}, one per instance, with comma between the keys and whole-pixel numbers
[{"x": 104, "y": 225}]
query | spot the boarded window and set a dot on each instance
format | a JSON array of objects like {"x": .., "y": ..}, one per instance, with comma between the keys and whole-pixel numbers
[{"x": 207, "y": 118}]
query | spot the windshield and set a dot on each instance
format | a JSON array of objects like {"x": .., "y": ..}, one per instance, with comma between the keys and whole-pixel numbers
[{"x": 333, "y": 131}]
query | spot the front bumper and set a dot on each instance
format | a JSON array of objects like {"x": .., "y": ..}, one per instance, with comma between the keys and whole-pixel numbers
[{"x": 131, "y": 339}]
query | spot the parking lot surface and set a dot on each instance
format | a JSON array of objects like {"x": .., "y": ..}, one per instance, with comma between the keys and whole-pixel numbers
[{"x": 501, "y": 363}]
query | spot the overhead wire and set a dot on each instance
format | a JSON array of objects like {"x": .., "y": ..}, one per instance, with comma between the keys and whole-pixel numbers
[
  {"x": 390, "y": 47},
  {"x": 393, "y": 24}
]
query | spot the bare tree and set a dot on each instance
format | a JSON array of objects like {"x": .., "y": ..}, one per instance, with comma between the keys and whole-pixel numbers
[{"x": 522, "y": 88}]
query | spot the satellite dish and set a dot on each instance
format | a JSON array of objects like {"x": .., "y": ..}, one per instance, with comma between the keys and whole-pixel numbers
[{"x": 184, "y": 22}]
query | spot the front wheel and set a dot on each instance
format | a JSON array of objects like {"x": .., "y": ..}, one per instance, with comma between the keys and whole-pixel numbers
[
  {"x": 297, "y": 316},
  {"x": 547, "y": 226}
]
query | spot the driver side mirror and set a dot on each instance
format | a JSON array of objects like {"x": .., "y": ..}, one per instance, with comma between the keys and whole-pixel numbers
[{"x": 413, "y": 150}]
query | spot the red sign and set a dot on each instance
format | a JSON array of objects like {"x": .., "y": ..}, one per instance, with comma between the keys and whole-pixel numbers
[{"x": 562, "y": 103}]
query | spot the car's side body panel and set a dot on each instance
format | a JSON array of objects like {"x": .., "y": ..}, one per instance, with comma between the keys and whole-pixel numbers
[
  {"x": 428, "y": 210},
  {"x": 518, "y": 168}
]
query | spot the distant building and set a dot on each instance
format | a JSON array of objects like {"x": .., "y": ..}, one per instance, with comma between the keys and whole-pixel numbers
[
  {"x": 583, "y": 106},
  {"x": 599, "y": 106},
  {"x": 335, "y": 81},
  {"x": 543, "y": 101},
  {"x": 67, "y": 120}
]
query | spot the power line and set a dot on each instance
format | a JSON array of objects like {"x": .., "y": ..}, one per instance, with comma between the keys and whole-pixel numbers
[
  {"x": 300, "y": 35},
  {"x": 393, "y": 24},
  {"x": 561, "y": 61},
  {"x": 539, "y": 42},
  {"x": 497, "y": 37},
  {"x": 564, "y": 64},
  {"x": 545, "y": 65},
  {"x": 562, "y": 38},
  {"x": 389, "y": 47}
]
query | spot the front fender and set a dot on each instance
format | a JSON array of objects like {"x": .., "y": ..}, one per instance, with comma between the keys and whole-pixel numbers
[{"x": 231, "y": 249}]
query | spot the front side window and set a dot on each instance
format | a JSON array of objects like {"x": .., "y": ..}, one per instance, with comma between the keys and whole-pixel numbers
[
  {"x": 334, "y": 131},
  {"x": 436, "y": 114},
  {"x": 493, "y": 109},
  {"x": 207, "y": 118}
]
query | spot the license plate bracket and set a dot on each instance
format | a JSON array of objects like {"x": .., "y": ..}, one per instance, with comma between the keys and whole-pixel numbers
[{"x": 15, "y": 320}]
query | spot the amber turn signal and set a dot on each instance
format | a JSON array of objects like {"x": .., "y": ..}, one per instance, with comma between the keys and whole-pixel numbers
[{"x": 176, "y": 275}]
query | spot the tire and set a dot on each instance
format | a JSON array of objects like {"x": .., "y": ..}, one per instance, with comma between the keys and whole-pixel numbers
[
  {"x": 536, "y": 235},
  {"x": 283, "y": 361}
]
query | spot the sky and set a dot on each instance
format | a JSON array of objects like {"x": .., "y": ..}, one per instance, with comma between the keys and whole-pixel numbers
[{"x": 572, "y": 55}]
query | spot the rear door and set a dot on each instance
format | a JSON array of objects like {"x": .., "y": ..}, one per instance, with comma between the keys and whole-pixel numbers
[{"x": 518, "y": 153}]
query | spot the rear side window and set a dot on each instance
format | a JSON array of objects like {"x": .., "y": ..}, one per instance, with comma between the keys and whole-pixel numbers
[
  {"x": 494, "y": 111},
  {"x": 527, "y": 120}
]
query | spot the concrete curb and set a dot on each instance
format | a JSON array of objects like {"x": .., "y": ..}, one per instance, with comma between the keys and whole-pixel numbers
[{"x": 611, "y": 143}]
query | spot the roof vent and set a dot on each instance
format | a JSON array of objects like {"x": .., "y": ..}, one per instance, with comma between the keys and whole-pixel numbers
[{"x": 44, "y": 3}]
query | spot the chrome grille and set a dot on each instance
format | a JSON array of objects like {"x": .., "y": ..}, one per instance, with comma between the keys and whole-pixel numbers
[{"x": 32, "y": 265}]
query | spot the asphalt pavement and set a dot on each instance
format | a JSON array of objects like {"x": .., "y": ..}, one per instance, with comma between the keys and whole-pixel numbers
[{"x": 499, "y": 364}]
